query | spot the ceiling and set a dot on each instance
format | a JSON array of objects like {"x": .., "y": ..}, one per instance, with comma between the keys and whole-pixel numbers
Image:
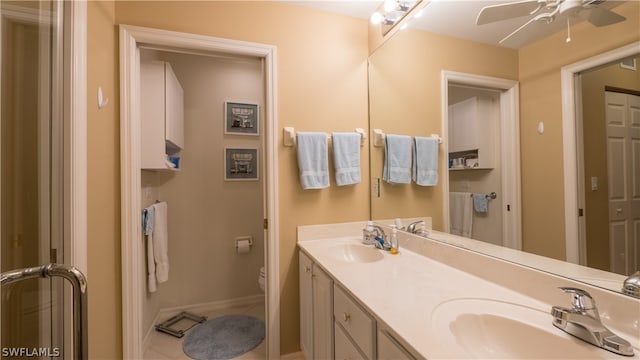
[{"x": 454, "y": 18}]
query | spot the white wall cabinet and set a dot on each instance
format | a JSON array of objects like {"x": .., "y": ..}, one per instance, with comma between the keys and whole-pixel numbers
[
  {"x": 316, "y": 310},
  {"x": 161, "y": 113},
  {"x": 473, "y": 126}
]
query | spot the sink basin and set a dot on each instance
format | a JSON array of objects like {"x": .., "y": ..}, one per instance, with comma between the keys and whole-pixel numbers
[
  {"x": 356, "y": 253},
  {"x": 485, "y": 328}
]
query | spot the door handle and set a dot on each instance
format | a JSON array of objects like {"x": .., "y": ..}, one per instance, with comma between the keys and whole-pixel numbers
[{"x": 79, "y": 284}]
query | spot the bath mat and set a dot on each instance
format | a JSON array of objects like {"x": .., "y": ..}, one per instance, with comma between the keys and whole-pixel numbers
[{"x": 224, "y": 337}]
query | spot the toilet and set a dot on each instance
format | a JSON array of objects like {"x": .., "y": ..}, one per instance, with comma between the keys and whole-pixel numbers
[{"x": 261, "y": 279}]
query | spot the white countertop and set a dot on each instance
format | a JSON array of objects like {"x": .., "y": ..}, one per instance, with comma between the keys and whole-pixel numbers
[{"x": 409, "y": 291}]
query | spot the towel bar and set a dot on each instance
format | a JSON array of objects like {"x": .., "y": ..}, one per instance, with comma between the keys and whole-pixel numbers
[
  {"x": 492, "y": 195},
  {"x": 289, "y": 136},
  {"x": 379, "y": 136}
]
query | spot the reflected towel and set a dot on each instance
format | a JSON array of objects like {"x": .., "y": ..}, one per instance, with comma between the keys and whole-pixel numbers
[
  {"x": 425, "y": 161},
  {"x": 480, "y": 203},
  {"x": 346, "y": 157},
  {"x": 460, "y": 214},
  {"x": 313, "y": 160},
  {"x": 397, "y": 159},
  {"x": 161, "y": 242}
]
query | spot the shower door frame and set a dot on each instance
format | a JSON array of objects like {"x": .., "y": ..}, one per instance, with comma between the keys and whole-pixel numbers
[{"x": 133, "y": 286}]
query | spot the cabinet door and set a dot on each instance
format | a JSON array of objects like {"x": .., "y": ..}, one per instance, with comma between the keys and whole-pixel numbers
[
  {"x": 390, "y": 349},
  {"x": 174, "y": 110},
  {"x": 345, "y": 349},
  {"x": 306, "y": 306},
  {"x": 322, "y": 314},
  {"x": 152, "y": 147}
]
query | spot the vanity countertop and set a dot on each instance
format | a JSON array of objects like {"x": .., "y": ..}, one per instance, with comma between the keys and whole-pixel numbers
[{"x": 416, "y": 296}]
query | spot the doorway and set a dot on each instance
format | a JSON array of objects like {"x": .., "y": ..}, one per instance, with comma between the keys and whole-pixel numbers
[
  {"x": 505, "y": 92},
  {"x": 574, "y": 179},
  {"x": 43, "y": 172},
  {"x": 133, "y": 284}
]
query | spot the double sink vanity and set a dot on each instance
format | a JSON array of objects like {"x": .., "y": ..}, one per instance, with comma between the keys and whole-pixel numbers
[{"x": 435, "y": 300}]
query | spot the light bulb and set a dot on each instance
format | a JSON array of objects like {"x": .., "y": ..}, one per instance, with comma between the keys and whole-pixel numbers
[
  {"x": 389, "y": 5},
  {"x": 376, "y": 18}
]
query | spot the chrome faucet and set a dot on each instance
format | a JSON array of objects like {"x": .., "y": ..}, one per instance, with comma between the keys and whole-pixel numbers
[
  {"x": 583, "y": 322},
  {"x": 631, "y": 285},
  {"x": 412, "y": 227}
]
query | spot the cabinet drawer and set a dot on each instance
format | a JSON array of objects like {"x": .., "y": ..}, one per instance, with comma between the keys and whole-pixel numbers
[
  {"x": 344, "y": 348},
  {"x": 389, "y": 348},
  {"x": 355, "y": 321}
]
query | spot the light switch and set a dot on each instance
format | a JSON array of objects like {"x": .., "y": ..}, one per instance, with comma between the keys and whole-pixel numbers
[{"x": 594, "y": 183}]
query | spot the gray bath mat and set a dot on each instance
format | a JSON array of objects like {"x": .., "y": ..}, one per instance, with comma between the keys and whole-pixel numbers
[{"x": 224, "y": 337}]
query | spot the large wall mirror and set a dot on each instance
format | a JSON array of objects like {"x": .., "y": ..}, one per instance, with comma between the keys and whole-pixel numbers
[{"x": 424, "y": 80}]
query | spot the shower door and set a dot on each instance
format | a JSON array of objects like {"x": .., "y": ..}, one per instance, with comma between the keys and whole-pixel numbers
[{"x": 31, "y": 175}]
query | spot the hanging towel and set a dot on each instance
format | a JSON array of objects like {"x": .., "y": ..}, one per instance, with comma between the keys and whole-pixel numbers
[
  {"x": 161, "y": 242},
  {"x": 148, "y": 216},
  {"x": 425, "y": 161},
  {"x": 480, "y": 203},
  {"x": 313, "y": 160},
  {"x": 460, "y": 214},
  {"x": 346, "y": 157},
  {"x": 397, "y": 159}
]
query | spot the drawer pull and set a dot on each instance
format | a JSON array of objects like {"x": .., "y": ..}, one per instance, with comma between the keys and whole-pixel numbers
[
  {"x": 346, "y": 317},
  {"x": 307, "y": 269}
]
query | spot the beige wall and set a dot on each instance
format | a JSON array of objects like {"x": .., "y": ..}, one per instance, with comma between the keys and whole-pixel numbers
[
  {"x": 405, "y": 87},
  {"x": 322, "y": 86},
  {"x": 595, "y": 155},
  {"x": 103, "y": 187},
  {"x": 540, "y": 100}
]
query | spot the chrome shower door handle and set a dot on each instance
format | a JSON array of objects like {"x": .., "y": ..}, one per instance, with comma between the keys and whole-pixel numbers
[{"x": 78, "y": 282}]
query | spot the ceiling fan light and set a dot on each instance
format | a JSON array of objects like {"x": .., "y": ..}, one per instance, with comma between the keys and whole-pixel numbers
[{"x": 390, "y": 5}]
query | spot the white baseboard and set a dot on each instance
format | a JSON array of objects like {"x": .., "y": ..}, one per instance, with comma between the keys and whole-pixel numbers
[
  {"x": 197, "y": 309},
  {"x": 293, "y": 356}
]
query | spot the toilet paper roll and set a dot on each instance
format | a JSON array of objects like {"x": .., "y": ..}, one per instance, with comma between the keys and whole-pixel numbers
[{"x": 243, "y": 246}]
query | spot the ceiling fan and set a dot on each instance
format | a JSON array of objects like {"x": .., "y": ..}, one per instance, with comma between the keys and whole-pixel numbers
[{"x": 545, "y": 12}]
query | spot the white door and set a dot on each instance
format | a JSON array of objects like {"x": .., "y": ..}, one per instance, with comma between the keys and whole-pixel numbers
[
  {"x": 31, "y": 187},
  {"x": 623, "y": 166}
]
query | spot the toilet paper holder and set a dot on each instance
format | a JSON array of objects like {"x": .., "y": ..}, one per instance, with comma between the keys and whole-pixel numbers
[{"x": 241, "y": 239}]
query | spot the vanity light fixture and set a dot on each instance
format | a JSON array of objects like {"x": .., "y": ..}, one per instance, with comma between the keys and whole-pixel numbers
[{"x": 391, "y": 12}]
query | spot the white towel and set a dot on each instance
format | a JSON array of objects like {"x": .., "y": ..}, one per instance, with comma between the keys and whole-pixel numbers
[
  {"x": 148, "y": 216},
  {"x": 161, "y": 242},
  {"x": 313, "y": 160},
  {"x": 397, "y": 159},
  {"x": 460, "y": 213},
  {"x": 425, "y": 161},
  {"x": 346, "y": 157}
]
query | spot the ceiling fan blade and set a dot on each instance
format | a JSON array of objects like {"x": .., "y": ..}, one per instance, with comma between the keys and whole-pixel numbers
[
  {"x": 520, "y": 36},
  {"x": 493, "y": 13},
  {"x": 602, "y": 17}
]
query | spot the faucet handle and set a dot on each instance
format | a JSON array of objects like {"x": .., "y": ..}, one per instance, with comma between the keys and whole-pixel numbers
[{"x": 578, "y": 297}]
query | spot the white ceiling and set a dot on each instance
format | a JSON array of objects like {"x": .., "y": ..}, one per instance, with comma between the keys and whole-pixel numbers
[{"x": 455, "y": 18}]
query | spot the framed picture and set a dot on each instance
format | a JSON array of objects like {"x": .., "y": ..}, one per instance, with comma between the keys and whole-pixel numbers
[
  {"x": 241, "y": 119},
  {"x": 241, "y": 164}
]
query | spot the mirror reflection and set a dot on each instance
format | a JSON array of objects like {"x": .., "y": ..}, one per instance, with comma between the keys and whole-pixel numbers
[{"x": 409, "y": 95}]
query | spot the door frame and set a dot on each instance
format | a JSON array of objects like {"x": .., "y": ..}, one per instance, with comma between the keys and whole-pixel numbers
[
  {"x": 573, "y": 157},
  {"x": 133, "y": 278},
  {"x": 510, "y": 148}
]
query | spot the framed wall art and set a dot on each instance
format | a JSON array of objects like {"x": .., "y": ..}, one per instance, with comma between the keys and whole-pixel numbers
[
  {"x": 241, "y": 164},
  {"x": 241, "y": 118}
]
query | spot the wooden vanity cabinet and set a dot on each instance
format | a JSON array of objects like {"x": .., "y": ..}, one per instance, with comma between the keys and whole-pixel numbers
[
  {"x": 335, "y": 325},
  {"x": 316, "y": 310}
]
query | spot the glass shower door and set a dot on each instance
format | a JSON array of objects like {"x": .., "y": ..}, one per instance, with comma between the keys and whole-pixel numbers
[{"x": 31, "y": 184}]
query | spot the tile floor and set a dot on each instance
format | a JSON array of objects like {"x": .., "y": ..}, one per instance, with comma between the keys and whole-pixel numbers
[{"x": 163, "y": 346}]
